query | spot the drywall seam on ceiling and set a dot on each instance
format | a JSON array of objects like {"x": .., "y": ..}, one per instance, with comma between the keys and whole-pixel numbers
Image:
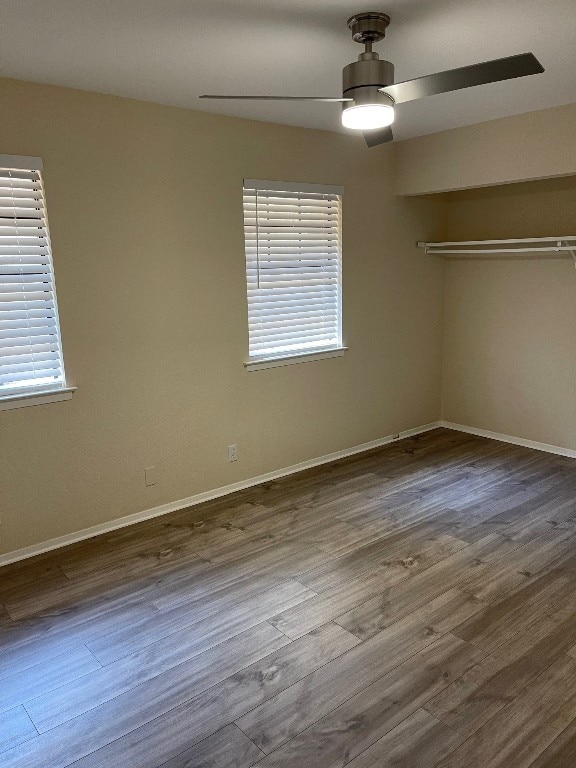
[{"x": 148, "y": 514}]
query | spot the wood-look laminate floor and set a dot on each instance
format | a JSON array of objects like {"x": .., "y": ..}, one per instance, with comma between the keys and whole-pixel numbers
[{"x": 412, "y": 606}]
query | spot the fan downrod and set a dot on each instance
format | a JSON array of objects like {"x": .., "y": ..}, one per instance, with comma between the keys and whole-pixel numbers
[{"x": 369, "y": 27}]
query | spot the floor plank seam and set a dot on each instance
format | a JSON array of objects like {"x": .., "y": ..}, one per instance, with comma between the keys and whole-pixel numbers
[
  {"x": 32, "y": 721},
  {"x": 262, "y": 753},
  {"x": 341, "y": 702}
]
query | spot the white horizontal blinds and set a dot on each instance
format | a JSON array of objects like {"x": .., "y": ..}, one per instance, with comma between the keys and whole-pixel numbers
[
  {"x": 30, "y": 351},
  {"x": 293, "y": 267}
]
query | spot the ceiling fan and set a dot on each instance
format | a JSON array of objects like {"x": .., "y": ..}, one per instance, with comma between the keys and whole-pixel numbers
[{"x": 369, "y": 93}]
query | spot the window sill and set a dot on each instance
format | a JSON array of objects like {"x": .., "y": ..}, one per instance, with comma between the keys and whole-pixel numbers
[
  {"x": 305, "y": 357},
  {"x": 36, "y": 398}
]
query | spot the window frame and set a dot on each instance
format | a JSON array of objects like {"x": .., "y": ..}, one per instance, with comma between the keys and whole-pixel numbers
[
  {"x": 20, "y": 396},
  {"x": 312, "y": 352}
]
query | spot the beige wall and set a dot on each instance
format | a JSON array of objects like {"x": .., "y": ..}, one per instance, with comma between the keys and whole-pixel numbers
[
  {"x": 535, "y": 145},
  {"x": 145, "y": 212},
  {"x": 509, "y": 361}
]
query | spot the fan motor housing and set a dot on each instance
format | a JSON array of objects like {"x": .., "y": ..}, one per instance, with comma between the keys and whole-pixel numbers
[
  {"x": 369, "y": 70},
  {"x": 368, "y": 27}
]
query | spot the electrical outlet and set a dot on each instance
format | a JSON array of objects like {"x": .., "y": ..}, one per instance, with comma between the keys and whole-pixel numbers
[
  {"x": 150, "y": 476},
  {"x": 232, "y": 452}
]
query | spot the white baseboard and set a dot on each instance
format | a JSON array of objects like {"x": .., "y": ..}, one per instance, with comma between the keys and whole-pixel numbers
[
  {"x": 510, "y": 439},
  {"x": 148, "y": 514}
]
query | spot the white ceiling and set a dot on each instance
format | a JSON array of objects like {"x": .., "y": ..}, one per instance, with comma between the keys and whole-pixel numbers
[{"x": 171, "y": 51}]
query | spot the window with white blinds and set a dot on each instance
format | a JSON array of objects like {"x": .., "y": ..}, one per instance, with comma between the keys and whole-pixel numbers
[
  {"x": 293, "y": 268},
  {"x": 30, "y": 350}
]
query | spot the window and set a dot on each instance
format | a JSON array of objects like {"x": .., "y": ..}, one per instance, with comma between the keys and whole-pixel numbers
[
  {"x": 293, "y": 271},
  {"x": 30, "y": 350}
]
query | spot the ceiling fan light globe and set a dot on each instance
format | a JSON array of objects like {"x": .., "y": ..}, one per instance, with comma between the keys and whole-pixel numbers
[{"x": 366, "y": 117}]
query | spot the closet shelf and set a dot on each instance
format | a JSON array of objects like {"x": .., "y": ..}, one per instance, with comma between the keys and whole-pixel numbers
[{"x": 560, "y": 247}]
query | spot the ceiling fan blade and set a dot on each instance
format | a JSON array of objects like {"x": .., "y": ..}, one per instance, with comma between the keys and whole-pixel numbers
[
  {"x": 465, "y": 77},
  {"x": 276, "y": 98},
  {"x": 378, "y": 136}
]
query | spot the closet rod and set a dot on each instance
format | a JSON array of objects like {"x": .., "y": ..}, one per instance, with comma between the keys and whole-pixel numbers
[
  {"x": 564, "y": 239},
  {"x": 553, "y": 248},
  {"x": 538, "y": 245}
]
